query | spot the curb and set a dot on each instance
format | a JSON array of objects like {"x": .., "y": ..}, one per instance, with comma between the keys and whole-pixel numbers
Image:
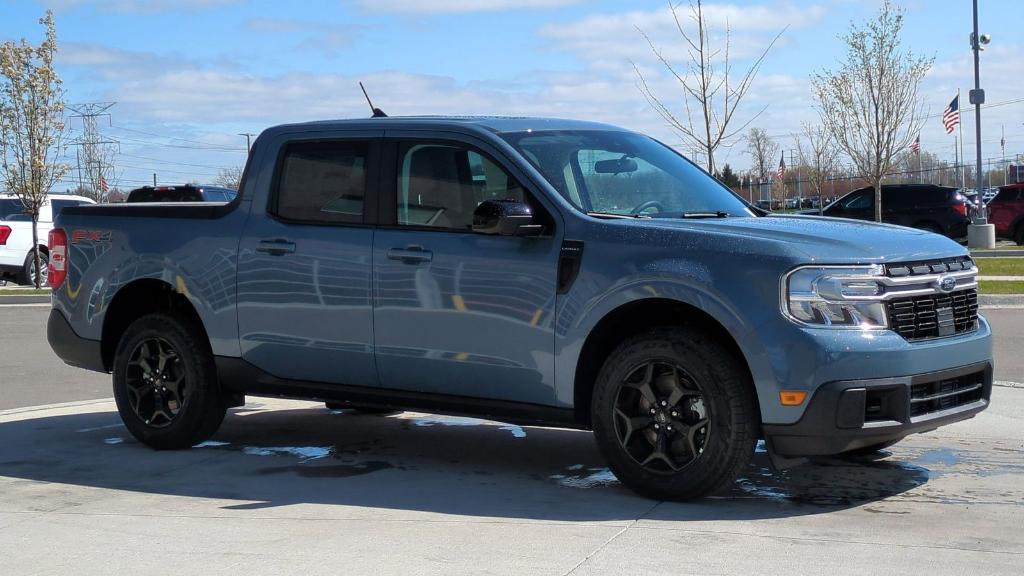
[
  {"x": 997, "y": 253},
  {"x": 1001, "y": 300},
  {"x": 15, "y": 299}
]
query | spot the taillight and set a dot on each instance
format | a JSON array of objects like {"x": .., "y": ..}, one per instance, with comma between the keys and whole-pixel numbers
[
  {"x": 58, "y": 269},
  {"x": 5, "y": 233},
  {"x": 960, "y": 207}
]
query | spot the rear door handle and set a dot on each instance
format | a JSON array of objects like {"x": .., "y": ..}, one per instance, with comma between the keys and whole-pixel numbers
[
  {"x": 410, "y": 254},
  {"x": 276, "y": 247}
]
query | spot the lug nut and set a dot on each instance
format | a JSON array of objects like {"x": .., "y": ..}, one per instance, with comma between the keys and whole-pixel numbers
[
  {"x": 674, "y": 414},
  {"x": 663, "y": 403},
  {"x": 653, "y": 411},
  {"x": 656, "y": 426}
]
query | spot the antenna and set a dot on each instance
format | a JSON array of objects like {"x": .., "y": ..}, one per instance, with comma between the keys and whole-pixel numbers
[{"x": 377, "y": 112}]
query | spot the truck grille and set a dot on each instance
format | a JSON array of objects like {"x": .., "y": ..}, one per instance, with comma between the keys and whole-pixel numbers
[
  {"x": 934, "y": 316},
  {"x": 945, "y": 394},
  {"x": 929, "y": 267}
]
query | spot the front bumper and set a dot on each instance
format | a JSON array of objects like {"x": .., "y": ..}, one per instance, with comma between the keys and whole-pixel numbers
[{"x": 850, "y": 414}]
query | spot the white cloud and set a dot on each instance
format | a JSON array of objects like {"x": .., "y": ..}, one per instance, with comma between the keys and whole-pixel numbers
[
  {"x": 601, "y": 37},
  {"x": 456, "y": 6}
]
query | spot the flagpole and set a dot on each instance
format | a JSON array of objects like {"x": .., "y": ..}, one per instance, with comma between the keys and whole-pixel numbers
[
  {"x": 960, "y": 127},
  {"x": 920, "y": 165}
]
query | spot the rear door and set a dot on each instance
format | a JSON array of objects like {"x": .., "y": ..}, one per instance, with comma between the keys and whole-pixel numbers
[
  {"x": 304, "y": 291},
  {"x": 458, "y": 312}
]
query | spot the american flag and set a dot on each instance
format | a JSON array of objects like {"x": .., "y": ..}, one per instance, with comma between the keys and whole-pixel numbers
[
  {"x": 781, "y": 173},
  {"x": 103, "y": 184},
  {"x": 916, "y": 146},
  {"x": 951, "y": 116}
]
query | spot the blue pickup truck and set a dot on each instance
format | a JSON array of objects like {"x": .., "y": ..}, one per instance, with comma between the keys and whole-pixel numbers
[{"x": 535, "y": 271}]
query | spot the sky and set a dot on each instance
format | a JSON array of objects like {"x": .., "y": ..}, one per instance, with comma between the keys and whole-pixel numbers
[{"x": 188, "y": 76}]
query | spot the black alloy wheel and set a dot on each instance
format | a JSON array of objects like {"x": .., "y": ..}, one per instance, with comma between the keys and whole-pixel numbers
[
  {"x": 156, "y": 384},
  {"x": 660, "y": 417}
]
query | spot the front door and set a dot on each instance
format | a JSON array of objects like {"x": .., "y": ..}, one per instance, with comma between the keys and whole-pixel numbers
[
  {"x": 458, "y": 312},
  {"x": 304, "y": 289}
]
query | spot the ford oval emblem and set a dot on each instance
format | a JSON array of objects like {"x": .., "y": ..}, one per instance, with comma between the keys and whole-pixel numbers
[{"x": 947, "y": 283}]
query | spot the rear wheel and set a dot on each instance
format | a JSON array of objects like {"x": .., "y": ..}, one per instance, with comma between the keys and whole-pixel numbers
[
  {"x": 674, "y": 415},
  {"x": 165, "y": 383},
  {"x": 1019, "y": 236},
  {"x": 27, "y": 276}
]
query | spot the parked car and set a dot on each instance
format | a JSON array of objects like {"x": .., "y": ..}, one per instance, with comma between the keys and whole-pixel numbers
[
  {"x": 1006, "y": 212},
  {"x": 185, "y": 193},
  {"x": 16, "y": 253},
  {"x": 937, "y": 209},
  {"x": 513, "y": 268}
]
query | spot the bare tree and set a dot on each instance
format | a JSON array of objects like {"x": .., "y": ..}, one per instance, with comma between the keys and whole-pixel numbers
[
  {"x": 870, "y": 104},
  {"x": 818, "y": 156},
  {"x": 707, "y": 80},
  {"x": 32, "y": 127},
  {"x": 229, "y": 177},
  {"x": 762, "y": 150}
]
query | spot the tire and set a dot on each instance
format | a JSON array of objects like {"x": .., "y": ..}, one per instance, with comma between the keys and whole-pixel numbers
[
  {"x": 183, "y": 406},
  {"x": 26, "y": 276},
  {"x": 358, "y": 408},
  {"x": 1019, "y": 236},
  {"x": 706, "y": 429}
]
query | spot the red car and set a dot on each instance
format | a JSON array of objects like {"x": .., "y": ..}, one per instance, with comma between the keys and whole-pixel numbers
[{"x": 1006, "y": 211}]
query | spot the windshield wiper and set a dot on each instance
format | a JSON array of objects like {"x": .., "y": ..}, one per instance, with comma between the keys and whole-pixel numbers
[
  {"x": 614, "y": 215},
  {"x": 716, "y": 214}
]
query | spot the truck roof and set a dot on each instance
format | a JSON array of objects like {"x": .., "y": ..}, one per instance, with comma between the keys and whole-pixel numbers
[{"x": 496, "y": 124}]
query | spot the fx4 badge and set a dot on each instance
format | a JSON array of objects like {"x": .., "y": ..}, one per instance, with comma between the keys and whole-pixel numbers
[{"x": 90, "y": 236}]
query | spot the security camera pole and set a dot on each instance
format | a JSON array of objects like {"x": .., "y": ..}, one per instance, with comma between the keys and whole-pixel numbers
[{"x": 980, "y": 234}]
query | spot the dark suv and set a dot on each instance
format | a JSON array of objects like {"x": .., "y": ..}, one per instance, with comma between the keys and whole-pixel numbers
[
  {"x": 186, "y": 193},
  {"x": 938, "y": 209}
]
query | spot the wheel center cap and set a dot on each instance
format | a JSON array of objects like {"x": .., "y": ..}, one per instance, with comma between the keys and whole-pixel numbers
[{"x": 660, "y": 417}]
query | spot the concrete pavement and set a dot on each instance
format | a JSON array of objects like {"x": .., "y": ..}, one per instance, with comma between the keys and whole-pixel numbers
[{"x": 289, "y": 487}]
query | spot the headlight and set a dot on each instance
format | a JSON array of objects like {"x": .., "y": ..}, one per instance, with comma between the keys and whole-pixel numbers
[{"x": 836, "y": 296}]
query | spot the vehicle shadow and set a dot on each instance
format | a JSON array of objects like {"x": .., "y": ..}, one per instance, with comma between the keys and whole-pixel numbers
[{"x": 406, "y": 462}]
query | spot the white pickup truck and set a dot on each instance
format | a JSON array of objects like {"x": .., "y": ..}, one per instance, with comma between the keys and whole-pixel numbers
[{"x": 16, "y": 262}]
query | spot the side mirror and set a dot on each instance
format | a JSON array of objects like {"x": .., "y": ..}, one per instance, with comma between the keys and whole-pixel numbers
[{"x": 505, "y": 218}]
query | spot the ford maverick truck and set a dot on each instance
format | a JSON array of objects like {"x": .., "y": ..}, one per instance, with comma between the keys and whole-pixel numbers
[{"x": 536, "y": 271}]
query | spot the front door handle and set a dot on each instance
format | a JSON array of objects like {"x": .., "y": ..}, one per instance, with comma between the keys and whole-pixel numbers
[
  {"x": 276, "y": 247},
  {"x": 410, "y": 254}
]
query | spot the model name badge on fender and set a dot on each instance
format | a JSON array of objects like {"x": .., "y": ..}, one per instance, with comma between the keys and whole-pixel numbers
[{"x": 90, "y": 236}]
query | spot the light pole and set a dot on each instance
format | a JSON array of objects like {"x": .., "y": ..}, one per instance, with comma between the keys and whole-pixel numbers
[
  {"x": 980, "y": 234},
  {"x": 248, "y": 139}
]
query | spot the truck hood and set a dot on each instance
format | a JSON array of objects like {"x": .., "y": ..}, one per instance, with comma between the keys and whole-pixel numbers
[{"x": 825, "y": 239}]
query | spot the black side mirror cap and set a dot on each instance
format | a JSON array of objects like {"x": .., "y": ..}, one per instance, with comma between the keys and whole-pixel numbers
[{"x": 505, "y": 218}]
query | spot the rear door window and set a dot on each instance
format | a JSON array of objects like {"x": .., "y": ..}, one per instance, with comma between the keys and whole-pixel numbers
[{"x": 323, "y": 182}]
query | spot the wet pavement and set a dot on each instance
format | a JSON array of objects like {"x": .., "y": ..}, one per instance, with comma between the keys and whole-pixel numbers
[{"x": 289, "y": 487}]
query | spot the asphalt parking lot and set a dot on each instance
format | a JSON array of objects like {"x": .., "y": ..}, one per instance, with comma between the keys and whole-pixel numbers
[{"x": 289, "y": 487}]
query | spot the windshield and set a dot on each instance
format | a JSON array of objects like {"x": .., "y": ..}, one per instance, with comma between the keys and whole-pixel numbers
[{"x": 625, "y": 173}]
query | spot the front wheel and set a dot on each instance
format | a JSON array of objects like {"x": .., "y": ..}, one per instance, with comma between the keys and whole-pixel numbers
[
  {"x": 674, "y": 414},
  {"x": 165, "y": 383}
]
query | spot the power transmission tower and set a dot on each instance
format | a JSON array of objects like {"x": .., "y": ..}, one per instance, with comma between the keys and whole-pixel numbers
[{"x": 94, "y": 152}]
